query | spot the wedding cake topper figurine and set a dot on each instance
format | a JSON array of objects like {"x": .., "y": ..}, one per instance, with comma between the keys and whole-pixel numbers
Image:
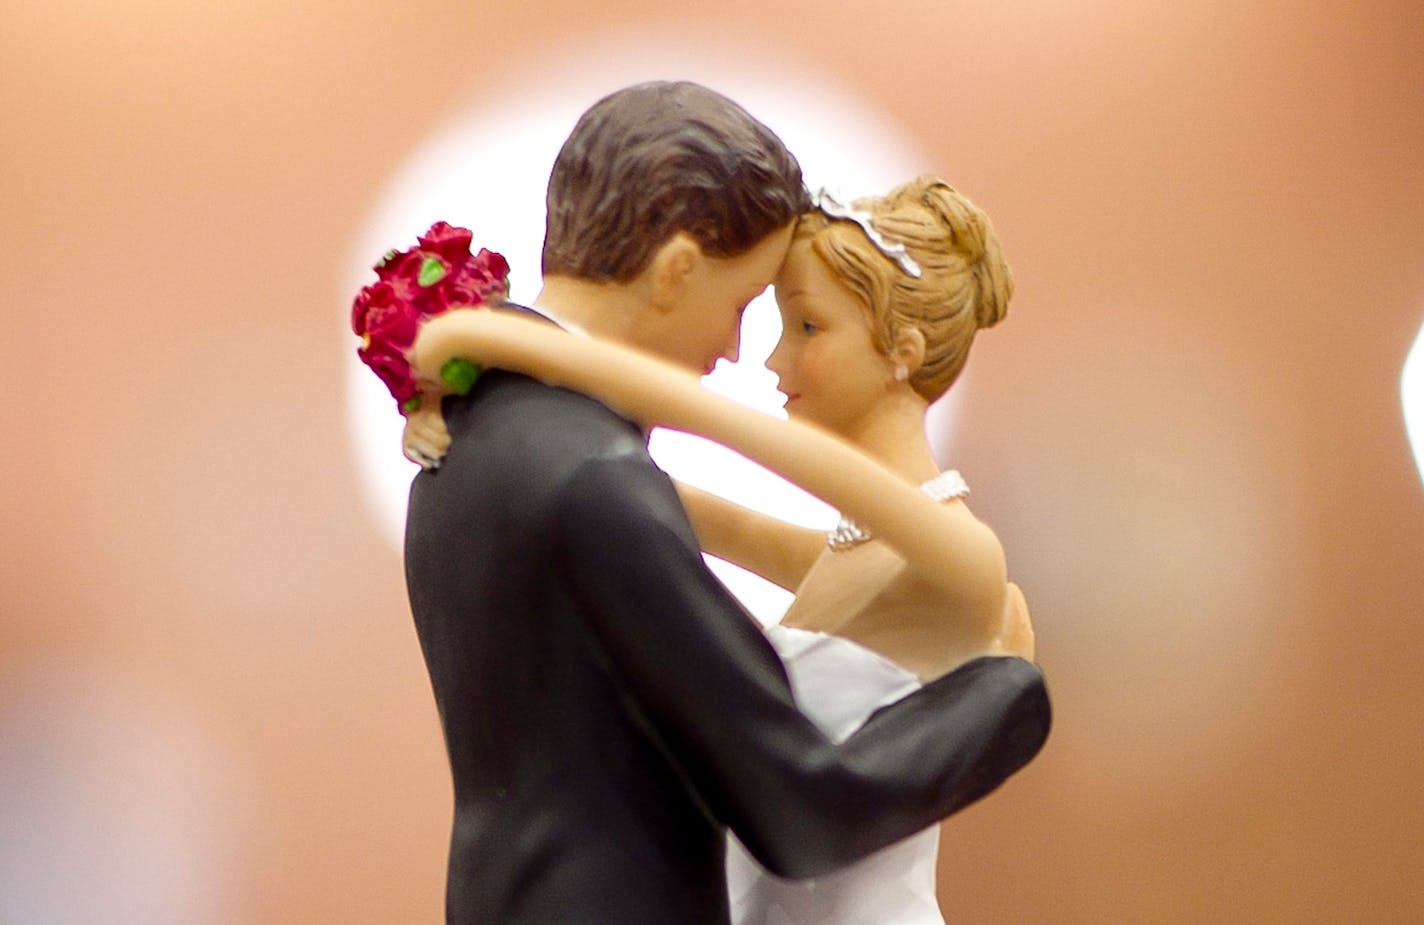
[{"x": 609, "y": 711}]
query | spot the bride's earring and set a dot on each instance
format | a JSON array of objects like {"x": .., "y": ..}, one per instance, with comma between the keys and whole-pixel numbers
[{"x": 902, "y": 372}]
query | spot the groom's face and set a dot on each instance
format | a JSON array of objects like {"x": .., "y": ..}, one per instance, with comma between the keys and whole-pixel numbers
[{"x": 708, "y": 316}]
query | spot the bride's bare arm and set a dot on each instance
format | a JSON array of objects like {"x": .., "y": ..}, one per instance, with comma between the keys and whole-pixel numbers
[
  {"x": 945, "y": 543},
  {"x": 780, "y": 552}
]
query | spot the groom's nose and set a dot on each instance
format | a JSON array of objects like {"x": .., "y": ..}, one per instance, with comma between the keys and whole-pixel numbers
[{"x": 733, "y": 345}]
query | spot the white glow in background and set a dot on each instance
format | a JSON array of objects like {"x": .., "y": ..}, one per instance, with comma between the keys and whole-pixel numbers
[
  {"x": 487, "y": 170},
  {"x": 121, "y": 803},
  {"x": 1411, "y": 395}
]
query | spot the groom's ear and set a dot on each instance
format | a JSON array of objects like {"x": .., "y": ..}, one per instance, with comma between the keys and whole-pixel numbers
[{"x": 671, "y": 269}]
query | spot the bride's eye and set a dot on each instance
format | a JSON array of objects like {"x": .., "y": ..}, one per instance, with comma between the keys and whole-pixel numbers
[{"x": 808, "y": 328}]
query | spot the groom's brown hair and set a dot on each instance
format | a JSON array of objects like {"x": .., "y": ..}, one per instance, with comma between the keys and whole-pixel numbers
[{"x": 651, "y": 160}]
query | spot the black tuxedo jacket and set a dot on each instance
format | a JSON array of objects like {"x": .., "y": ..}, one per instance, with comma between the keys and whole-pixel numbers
[{"x": 608, "y": 708}]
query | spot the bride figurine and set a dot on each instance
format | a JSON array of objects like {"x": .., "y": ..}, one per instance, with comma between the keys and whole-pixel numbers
[{"x": 880, "y": 301}]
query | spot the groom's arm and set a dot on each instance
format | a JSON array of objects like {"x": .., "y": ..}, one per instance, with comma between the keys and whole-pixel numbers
[{"x": 710, "y": 686}]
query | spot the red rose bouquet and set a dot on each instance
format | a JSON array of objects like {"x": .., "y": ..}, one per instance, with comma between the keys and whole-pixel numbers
[{"x": 430, "y": 279}]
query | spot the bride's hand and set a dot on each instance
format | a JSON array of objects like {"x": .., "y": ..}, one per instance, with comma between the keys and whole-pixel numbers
[{"x": 426, "y": 438}]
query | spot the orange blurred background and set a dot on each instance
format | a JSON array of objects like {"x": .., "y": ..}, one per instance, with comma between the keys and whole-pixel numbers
[{"x": 1188, "y": 434}]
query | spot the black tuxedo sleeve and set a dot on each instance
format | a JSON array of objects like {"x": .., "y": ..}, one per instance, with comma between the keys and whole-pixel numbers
[{"x": 698, "y": 671}]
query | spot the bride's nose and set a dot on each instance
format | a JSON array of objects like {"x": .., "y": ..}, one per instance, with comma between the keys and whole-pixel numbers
[{"x": 774, "y": 362}]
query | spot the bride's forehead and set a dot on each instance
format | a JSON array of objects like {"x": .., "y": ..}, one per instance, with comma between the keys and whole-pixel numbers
[{"x": 801, "y": 268}]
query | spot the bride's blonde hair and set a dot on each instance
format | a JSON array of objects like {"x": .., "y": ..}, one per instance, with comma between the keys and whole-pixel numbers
[{"x": 964, "y": 283}]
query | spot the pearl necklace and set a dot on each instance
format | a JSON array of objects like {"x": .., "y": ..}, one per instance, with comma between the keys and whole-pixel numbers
[{"x": 946, "y": 486}]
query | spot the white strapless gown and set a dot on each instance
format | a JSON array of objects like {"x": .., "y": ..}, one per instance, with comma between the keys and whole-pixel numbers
[{"x": 838, "y": 684}]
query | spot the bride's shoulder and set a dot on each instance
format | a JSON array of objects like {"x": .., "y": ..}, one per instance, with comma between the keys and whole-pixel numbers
[{"x": 974, "y": 553}]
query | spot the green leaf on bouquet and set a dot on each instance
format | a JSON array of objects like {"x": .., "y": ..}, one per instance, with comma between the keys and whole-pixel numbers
[
  {"x": 460, "y": 375},
  {"x": 432, "y": 271}
]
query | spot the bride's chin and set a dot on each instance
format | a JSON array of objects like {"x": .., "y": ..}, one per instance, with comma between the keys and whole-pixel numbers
[{"x": 796, "y": 414}]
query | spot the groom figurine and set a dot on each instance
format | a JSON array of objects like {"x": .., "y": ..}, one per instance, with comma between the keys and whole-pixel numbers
[{"x": 608, "y": 708}]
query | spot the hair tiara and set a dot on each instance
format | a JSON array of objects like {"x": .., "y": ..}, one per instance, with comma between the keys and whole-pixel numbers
[{"x": 831, "y": 204}]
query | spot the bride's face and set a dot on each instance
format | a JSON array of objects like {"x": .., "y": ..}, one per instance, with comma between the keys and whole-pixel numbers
[{"x": 826, "y": 361}]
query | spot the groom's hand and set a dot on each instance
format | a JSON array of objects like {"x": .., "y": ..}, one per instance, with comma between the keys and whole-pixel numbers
[{"x": 1016, "y": 633}]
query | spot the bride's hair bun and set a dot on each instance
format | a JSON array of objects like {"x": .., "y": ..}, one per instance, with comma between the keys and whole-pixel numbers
[{"x": 964, "y": 284}]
